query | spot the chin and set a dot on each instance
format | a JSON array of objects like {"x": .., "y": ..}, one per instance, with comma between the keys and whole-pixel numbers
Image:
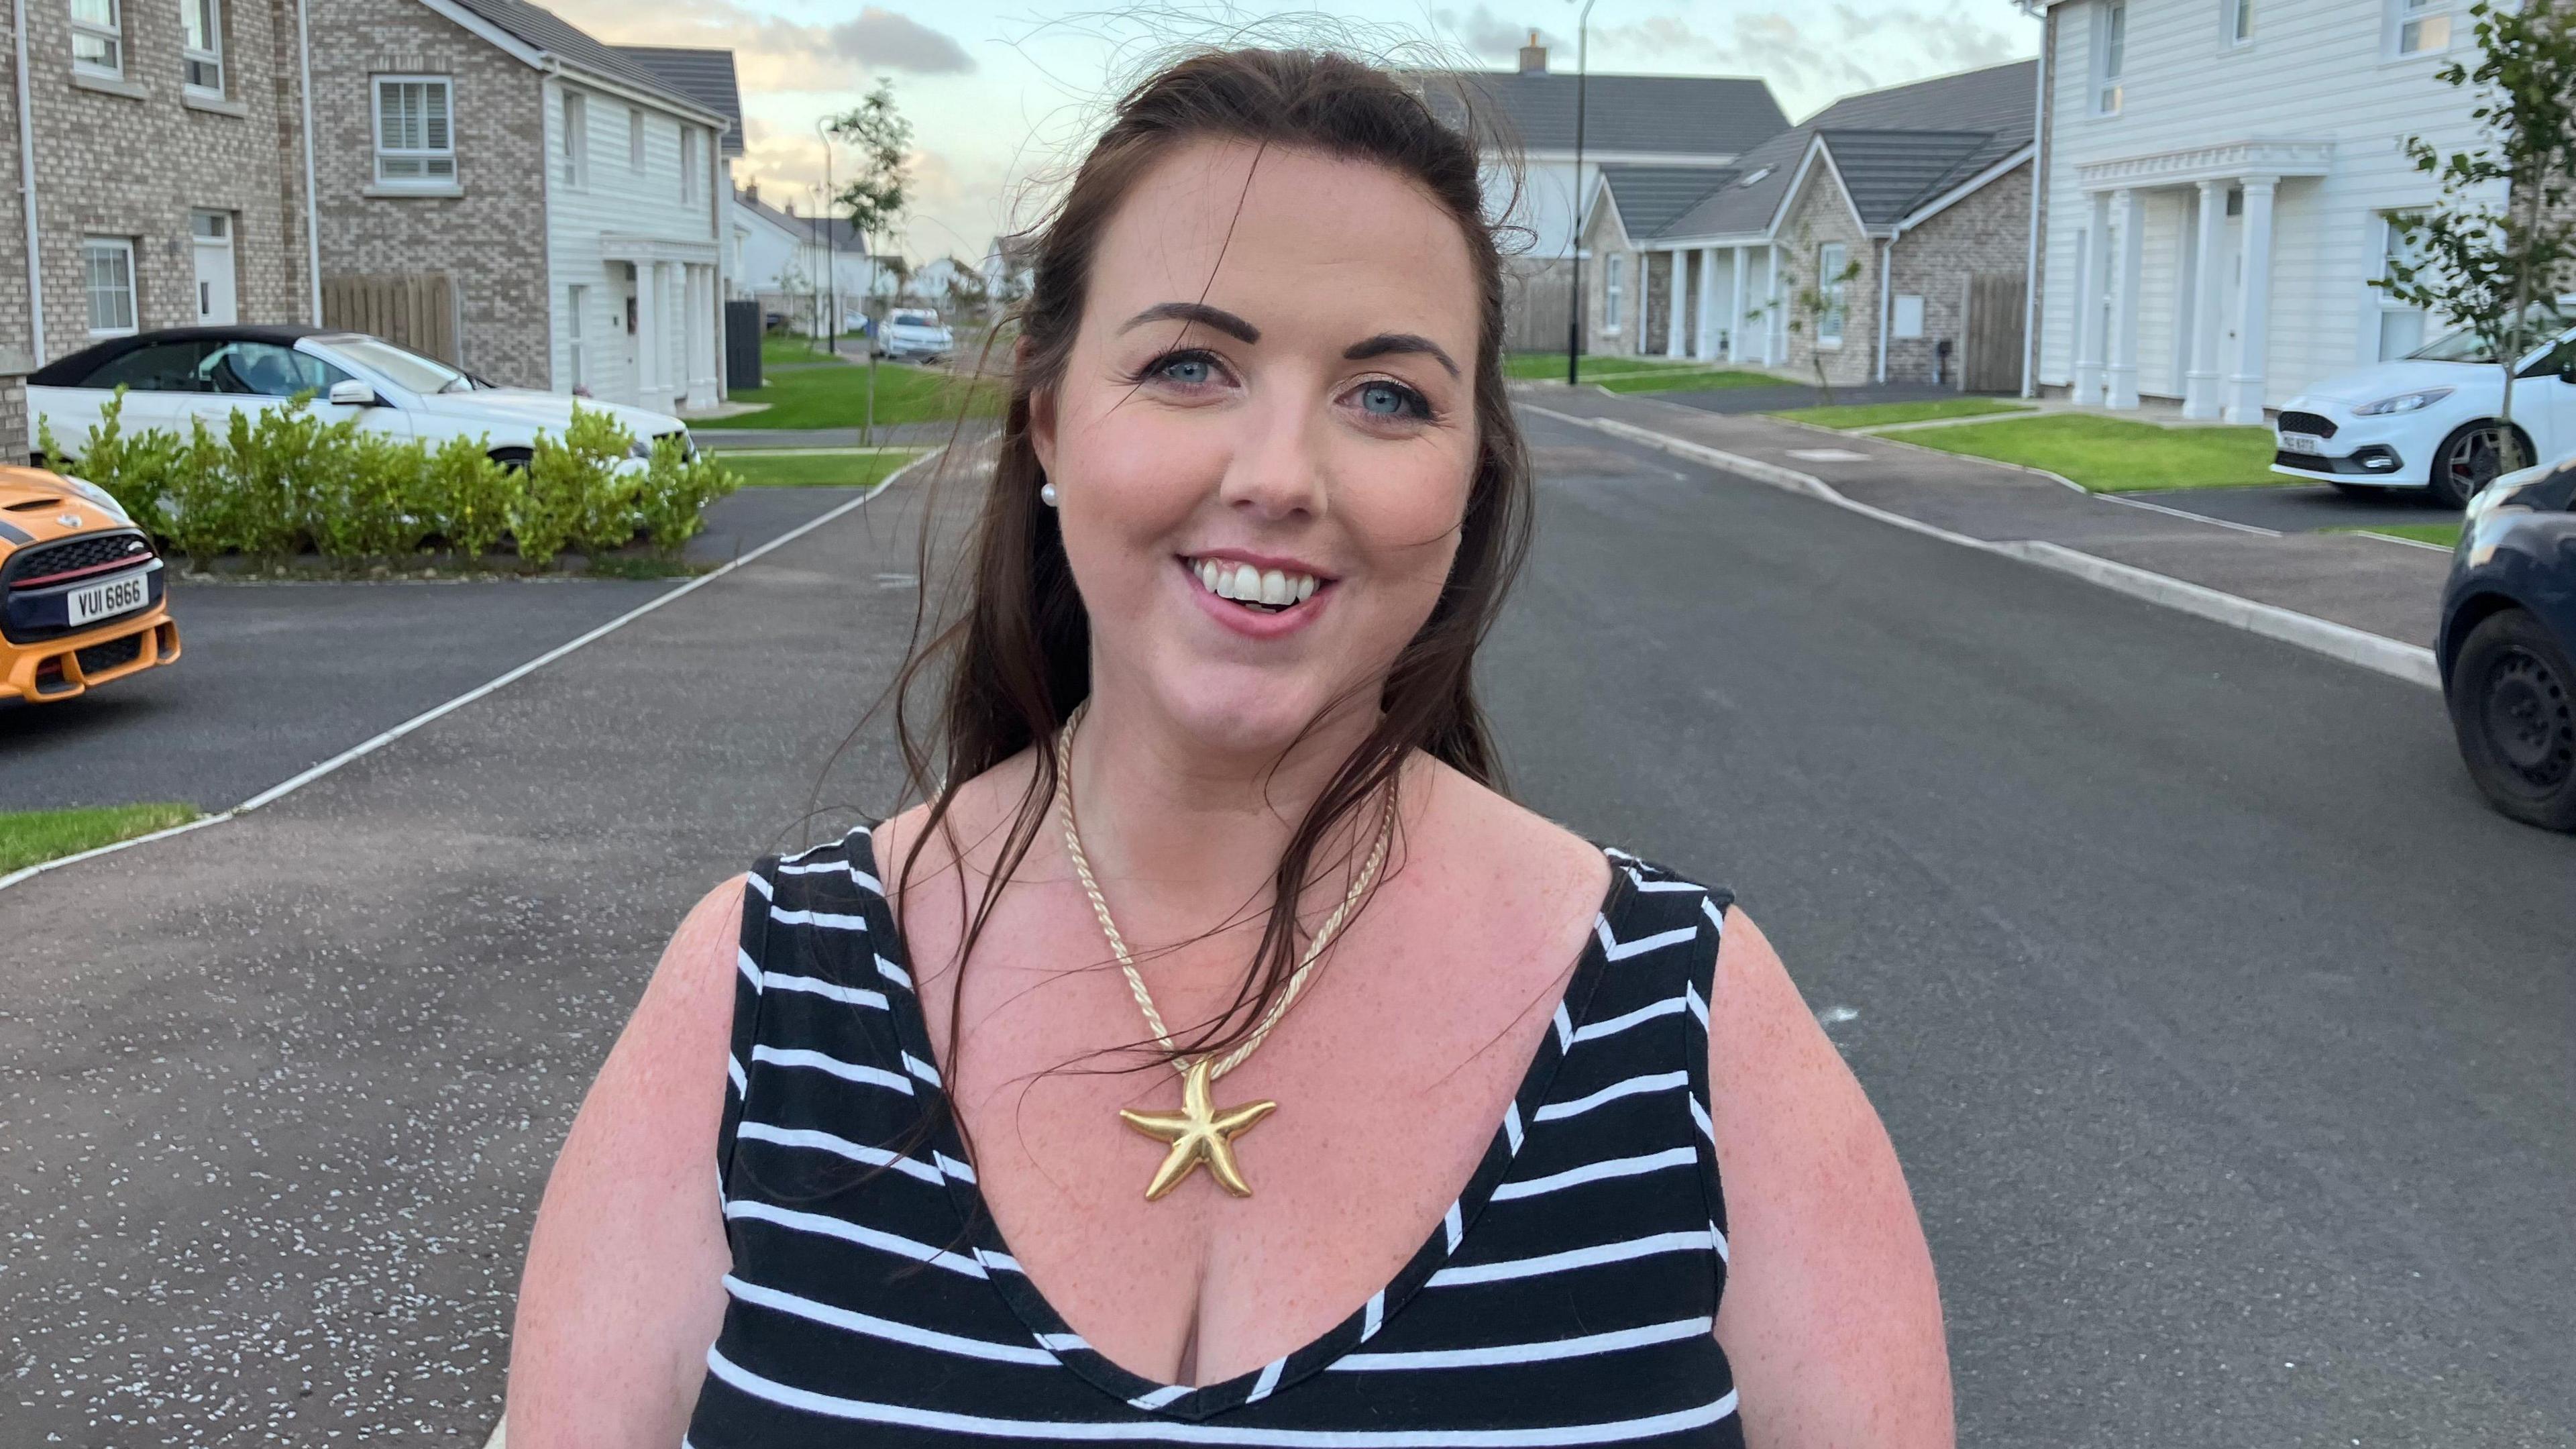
[{"x": 1236, "y": 711}]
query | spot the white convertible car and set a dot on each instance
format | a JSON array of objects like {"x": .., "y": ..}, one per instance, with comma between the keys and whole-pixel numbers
[
  {"x": 2429, "y": 420},
  {"x": 179, "y": 373}
]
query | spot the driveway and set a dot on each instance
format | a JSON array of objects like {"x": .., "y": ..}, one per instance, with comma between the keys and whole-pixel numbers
[
  {"x": 280, "y": 676},
  {"x": 2302, "y": 507},
  {"x": 1801, "y": 395}
]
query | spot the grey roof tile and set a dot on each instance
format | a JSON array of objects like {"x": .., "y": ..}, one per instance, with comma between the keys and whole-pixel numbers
[
  {"x": 1650, "y": 197},
  {"x": 1676, "y": 115},
  {"x": 704, "y": 76},
  {"x": 550, "y": 32}
]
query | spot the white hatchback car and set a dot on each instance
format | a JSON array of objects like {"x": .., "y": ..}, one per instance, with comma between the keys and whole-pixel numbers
[
  {"x": 2429, "y": 420},
  {"x": 175, "y": 374}
]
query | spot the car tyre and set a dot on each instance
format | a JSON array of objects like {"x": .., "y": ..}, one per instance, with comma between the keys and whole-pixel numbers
[
  {"x": 2512, "y": 698},
  {"x": 2469, "y": 459}
]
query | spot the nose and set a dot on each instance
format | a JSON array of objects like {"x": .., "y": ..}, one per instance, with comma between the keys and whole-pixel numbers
[{"x": 1277, "y": 471}]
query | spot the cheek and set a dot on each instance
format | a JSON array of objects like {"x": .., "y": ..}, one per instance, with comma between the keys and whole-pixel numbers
[
  {"x": 1405, "y": 508},
  {"x": 1137, "y": 475}
]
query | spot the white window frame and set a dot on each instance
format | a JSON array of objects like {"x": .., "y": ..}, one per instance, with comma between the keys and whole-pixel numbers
[
  {"x": 2111, "y": 55},
  {"x": 2236, "y": 23},
  {"x": 576, "y": 363},
  {"x": 2389, "y": 306},
  {"x": 574, "y": 154},
  {"x": 688, "y": 164},
  {"x": 121, "y": 249},
  {"x": 1613, "y": 294},
  {"x": 109, "y": 33},
  {"x": 429, "y": 158},
  {"x": 1831, "y": 259},
  {"x": 635, "y": 139},
  {"x": 2433, "y": 14},
  {"x": 206, "y": 59}
]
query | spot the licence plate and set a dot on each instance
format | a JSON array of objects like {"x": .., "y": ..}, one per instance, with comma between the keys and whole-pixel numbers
[
  {"x": 2302, "y": 443},
  {"x": 118, "y": 595}
]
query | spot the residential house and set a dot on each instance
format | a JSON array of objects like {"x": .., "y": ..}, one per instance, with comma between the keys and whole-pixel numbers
[
  {"x": 800, "y": 267},
  {"x": 1905, "y": 210},
  {"x": 96, "y": 243},
  {"x": 557, "y": 197},
  {"x": 1626, "y": 120},
  {"x": 2218, "y": 182}
]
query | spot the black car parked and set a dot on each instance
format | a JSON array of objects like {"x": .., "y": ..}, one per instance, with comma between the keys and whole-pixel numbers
[{"x": 2508, "y": 631}]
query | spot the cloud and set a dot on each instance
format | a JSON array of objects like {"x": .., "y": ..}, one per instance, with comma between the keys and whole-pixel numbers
[
  {"x": 1816, "y": 55},
  {"x": 1486, "y": 34},
  {"x": 882, "y": 40}
]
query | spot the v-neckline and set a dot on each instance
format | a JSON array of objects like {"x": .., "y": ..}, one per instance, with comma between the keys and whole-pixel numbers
[{"x": 1186, "y": 1401}]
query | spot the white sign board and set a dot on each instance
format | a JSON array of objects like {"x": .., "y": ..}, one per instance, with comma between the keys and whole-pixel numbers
[{"x": 1908, "y": 322}]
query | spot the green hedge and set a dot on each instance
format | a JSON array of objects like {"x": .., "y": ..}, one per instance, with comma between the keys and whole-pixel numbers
[{"x": 276, "y": 481}]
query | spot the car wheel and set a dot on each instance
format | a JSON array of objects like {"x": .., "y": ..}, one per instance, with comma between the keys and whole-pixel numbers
[
  {"x": 2469, "y": 459},
  {"x": 2513, "y": 705}
]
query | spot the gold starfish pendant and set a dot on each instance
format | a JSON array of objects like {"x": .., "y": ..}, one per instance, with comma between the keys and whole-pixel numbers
[{"x": 1198, "y": 1133}]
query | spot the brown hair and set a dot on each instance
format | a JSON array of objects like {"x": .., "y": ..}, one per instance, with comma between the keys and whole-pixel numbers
[{"x": 1016, "y": 661}]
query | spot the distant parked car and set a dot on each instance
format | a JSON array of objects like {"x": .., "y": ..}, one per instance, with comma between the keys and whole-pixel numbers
[
  {"x": 179, "y": 373},
  {"x": 2429, "y": 420},
  {"x": 2508, "y": 632},
  {"x": 913, "y": 334},
  {"x": 81, "y": 592}
]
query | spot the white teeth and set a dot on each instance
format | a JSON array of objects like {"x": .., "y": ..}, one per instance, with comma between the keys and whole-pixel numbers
[
  {"x": 1305, "y": 587},
  {"x": 1246, "y": 584},
  {"x": 1243, "y": 583},
  {"x": 1275, "y": 588}
]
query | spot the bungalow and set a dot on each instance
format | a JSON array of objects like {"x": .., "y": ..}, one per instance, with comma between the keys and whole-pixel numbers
[{"x": 1906, "y": 209}]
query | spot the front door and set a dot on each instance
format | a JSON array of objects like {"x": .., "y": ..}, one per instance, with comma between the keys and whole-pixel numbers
[{"x": 214, "y": 248}]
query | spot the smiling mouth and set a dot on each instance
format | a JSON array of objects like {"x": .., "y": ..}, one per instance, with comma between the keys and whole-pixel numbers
[{"x": 1268, "y": 591}]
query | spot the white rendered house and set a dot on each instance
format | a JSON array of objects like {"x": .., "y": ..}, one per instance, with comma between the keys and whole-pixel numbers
[{"x": 2217, "y": 179}]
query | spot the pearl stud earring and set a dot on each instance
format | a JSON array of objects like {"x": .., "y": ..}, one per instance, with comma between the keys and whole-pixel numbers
[{"x": 1046, "y": 494}]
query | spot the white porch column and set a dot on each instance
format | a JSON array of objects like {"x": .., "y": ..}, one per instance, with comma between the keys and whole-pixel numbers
[
  {"x": 1680, "y": 289},
  {"x": 2120, "y": 363},
  {"x": 2200, "y": 384},
  {"x": 2254, "y": 304},
  {"x": 1706, "y": 348},
  {"x": 2089, "y": 273},
  {"x": 648, "y": 332},
  {"x": 1735, "y": 312}
]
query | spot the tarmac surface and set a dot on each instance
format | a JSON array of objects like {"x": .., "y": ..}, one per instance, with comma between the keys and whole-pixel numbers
[
  {"x": 2225, "y": 1034},
  {"x": 2305, "y": 507}
]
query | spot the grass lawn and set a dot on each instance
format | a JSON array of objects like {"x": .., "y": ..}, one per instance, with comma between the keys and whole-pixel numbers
[
  {"x": 789, "y": 348},
  {"x": 1701, "y": 379},
  {"x": 30, "y": 836},
  {"x": 837, "y": 397},
  {"x": 2113, "y": 455},
  {"x": 815, "y": 470},
  {"x": 2445, "y": 534},
  {"x": 1873, "y": 415},
  {"x": 1550, "y": 366}
]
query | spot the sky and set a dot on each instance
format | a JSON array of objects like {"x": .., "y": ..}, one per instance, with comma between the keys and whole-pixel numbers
[{"x": 1001, "y": 95}]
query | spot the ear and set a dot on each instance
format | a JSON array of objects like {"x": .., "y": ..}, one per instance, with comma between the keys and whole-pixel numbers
[{"x": 1041, "y": 413}]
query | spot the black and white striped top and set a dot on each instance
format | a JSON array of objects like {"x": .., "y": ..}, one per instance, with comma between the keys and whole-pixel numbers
[{"x": 1566, "y": 1297}]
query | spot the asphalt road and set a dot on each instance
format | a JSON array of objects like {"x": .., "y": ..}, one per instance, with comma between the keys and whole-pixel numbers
[
  {"x": 2225, "y": 1034},
  {"x": 277, "y": 677},
  {"x": 2304, "y": 507}
]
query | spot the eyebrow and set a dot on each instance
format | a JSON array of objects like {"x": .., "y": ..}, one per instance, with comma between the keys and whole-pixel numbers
[
  {"x": 1386, "y": 343},
  {"x": 1199, "y": 312}
]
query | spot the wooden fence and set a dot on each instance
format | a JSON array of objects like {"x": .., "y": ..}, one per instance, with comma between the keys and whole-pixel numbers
[
  {"x": 1990, "y": 347},
  {"x": 411, "y": 309}
]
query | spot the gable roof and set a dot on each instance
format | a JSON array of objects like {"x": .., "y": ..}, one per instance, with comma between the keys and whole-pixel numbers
[
  {"x": 544, "y": 31},
  {"x": 704, "y": 76},
  {"x": 1673, "y": 115},
  {"x": 813, "y": 230},
  {"x": 1896, "y": 149},
  {"x": 1651, "y": 198}
]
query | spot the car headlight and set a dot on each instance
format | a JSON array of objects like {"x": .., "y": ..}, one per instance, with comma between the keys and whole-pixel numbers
[
  {"x": 2404, "y": 402},
  {"x": 98, "y": 497}
]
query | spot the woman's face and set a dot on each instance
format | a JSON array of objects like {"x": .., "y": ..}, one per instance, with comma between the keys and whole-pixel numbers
[{"x": 1264, "y": 435}]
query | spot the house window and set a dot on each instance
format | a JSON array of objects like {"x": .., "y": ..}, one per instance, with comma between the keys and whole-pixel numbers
[
  {"x": 635, "y": 140},
  {"x": 2110, "y": 44},
  {"x": 573, "y": 159},
  {"x": 98, "y": 37},
  {"x": 1831, "y": 260},
  {"x": 109, "y": 262},
  {"x": 2420, "y": 27},
  {"x": 415, "y": 145},
  {"x": 688, "y": 165},
  {"x": 2240, "y": 21},
  {"x": 576, "y": 313},
  {"x": 202, "y": 45},
  {"x": 2401, "y": 327},
  {"x": 1613, "y": 283}
]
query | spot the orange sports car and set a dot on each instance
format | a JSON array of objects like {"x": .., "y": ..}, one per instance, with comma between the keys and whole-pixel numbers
[{"x": 81, "y": 591}]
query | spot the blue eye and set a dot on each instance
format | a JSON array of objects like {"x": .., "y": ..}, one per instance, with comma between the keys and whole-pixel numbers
[
  {"x": 1187, "y": 371},
  {"x": 1386, "y": 400}
]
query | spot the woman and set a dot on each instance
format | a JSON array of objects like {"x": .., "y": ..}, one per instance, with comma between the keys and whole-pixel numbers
[{"x": 1029, "y": 1117}]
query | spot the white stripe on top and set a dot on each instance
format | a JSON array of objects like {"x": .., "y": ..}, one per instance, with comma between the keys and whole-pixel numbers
[
  {"x": 839, "y": 1147},
  {"x": 884, "y": 1328},
  {"x": 817, "y": 986},
  {"x": 1571, "y": 1259},
  {"x": 1596, "y": 1172},
  {"x": 850, "y": 1232},
  {"x": 1617, "y": 1024},
  {"x": 1509, "y": 1353},
  {"x": 846, "y": 1071},
  {"x": 1652, "y": 1082}
]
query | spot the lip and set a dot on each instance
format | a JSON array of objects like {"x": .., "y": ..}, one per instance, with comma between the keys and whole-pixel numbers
[
  {"x": 1252, "y": 623},
  {"x": 1264, "y": 562}
]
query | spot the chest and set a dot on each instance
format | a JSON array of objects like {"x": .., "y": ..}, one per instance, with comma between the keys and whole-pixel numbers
[{"x": 1391, "y": 1076}]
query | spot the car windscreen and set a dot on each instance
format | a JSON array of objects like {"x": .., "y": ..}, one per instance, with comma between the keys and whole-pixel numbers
[
  {"x": 2540, "y": 321},
  {"x": 400, "y": 366},
  {"x": 916, "y": 319}
]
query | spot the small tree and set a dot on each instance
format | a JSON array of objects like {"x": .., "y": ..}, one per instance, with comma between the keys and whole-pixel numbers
[
  {"x": 1810, "y": 301},
  {"x": 876, "y": 200},
  {"x": 2494, "y": 270}
]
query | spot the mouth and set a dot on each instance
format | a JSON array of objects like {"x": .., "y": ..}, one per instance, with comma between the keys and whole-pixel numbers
[{"x": 1265, "y": 591}]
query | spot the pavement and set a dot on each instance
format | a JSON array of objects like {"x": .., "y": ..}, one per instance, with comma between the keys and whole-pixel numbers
[
  {"x": 2304, "y": 507},
  {"x": 2226, "y": 1035},
  {"x": 2378, "y": 587},
  {"x": 924, "y": 435},
  {"x": 1739, "y": 400},
  {"x": 277, "y": 677}
]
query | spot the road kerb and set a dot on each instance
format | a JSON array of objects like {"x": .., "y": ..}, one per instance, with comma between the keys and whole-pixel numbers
[{"x": 2395, "y": 658}]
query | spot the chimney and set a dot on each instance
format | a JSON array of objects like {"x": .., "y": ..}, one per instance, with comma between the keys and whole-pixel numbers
[
  {"x": 1533, "y": 57},
  {"x": 751, "y": 192}
]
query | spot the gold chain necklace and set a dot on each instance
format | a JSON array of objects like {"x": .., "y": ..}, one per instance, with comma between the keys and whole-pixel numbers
[{"x": 1202, "y": 1132}]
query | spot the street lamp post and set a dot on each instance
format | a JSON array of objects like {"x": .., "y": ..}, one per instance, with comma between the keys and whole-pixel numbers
[
  {"x": 1574, "y": 303},
  {"x": 831, "y": 257}
]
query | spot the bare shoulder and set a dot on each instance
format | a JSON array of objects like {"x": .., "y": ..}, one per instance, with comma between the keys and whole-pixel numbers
[
  {"x": 1488, "y": 845},
  {"x": 1832, "y": 1316}
]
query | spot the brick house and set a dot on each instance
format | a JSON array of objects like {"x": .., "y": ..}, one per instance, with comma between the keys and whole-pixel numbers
[
  {"x": 568, "y": 196},
  {"x": 210, "y": 230},
  {"x": 1923, "y": 188}
]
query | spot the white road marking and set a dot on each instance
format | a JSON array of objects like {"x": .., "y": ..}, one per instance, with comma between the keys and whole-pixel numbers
[
  {"x": 1836, "y": 1016},
  {"x": 1829, "y": 455}
]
